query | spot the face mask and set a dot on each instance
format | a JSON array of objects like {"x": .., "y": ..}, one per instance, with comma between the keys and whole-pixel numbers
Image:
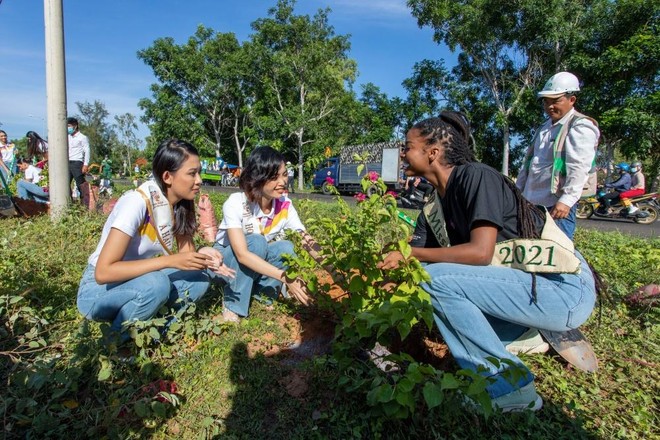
[{"x": 69, "y": 130}]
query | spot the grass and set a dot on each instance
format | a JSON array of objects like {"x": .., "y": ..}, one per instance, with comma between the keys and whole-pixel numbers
[{"x": 58, "y": 380}]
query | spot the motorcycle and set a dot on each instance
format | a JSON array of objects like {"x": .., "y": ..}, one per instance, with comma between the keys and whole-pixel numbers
[
  {"x": 412, "y": 199},
  {"x": 648, "y": 208}
]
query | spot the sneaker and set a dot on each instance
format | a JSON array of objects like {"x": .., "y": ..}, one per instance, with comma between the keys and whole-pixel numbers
[
  {"x": 633, "y": 209},
  {"x": 229, "y": 316},
  {"x": 522, "y": 399},
  {"x": 529, "y": 342}
]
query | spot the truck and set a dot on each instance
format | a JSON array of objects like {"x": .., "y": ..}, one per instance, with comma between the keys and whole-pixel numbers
[{"x": 341, "y": 171}]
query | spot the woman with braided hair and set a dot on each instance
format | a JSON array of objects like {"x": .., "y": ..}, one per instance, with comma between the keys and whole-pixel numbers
[{"x": 498, "y": 264}]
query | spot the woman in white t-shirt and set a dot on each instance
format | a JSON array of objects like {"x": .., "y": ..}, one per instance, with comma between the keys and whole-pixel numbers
[
  {"x": 8, "y": 152},
  {"x": 251, "y": 233},
  {"x": 29, "y": 188},
  {"x": 133, "y": 270}
]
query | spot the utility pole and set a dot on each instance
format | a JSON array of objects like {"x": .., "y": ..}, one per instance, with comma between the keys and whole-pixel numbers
[{"x": 58, "y": 149}]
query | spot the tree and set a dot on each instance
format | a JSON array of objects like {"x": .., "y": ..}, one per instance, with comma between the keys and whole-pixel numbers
[
  {"x": 501, "y": 46},
  {"x": 619, "y": 67},
  {"x": 299, "y": 71},
  {"x": 200, "y": 95},
  {"x": 92, "y": 119},
  {"x": 125, "y": 126},
  {"x": 428, "y": 87}
]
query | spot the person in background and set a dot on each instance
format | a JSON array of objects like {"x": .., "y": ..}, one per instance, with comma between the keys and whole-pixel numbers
[
  {"x": 8, "y": 150},
  {"x": 291, "y": 173},
  {"x": 79, "y": 156},
  {"x": 561, "y": 155},
  {"x": 37, "y": 147},
  {"x": 251, "y": 235},
  {"x": 482, "y": 302},
  {"x": 619, "y": 186},
  {"x": 637, "y": 187},
  {"x": 28, "y": 188},
  {"x": 134, "y": 269}
]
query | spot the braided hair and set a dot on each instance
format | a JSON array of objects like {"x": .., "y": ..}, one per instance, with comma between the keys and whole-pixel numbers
[{"x": 452, "y": 130}]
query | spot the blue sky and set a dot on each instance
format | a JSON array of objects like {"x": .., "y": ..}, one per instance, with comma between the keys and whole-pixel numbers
[{"x": 102, "y": 38}]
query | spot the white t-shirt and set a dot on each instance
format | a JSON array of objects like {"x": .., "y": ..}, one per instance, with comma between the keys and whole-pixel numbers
[
  {"x": 32, "y": 174},
  {"x": 7, "y": 151},
  {"x": 130, "y": 216},
  {"x": 238, "y": 213}
]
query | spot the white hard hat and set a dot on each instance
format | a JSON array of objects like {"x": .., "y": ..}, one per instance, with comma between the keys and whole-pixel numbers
[{"x": 560, "y": 84}]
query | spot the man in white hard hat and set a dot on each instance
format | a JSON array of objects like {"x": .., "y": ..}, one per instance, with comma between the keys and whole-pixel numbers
[
  {"x": 561, "y": 156},
  {"x": 290, "y": 172}
]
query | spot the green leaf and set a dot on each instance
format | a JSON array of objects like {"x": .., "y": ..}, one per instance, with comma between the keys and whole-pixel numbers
[
  {"x": 356, "y": 284},
  {"x": 159, "y": 409},
  {"x": 449, "y": 382},
  {"x": 153, "y": 332},
  {"x": 433, "y": 394}
]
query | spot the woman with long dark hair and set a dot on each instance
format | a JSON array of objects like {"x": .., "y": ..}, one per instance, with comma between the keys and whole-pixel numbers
[
  {"x": 251, "y": 234},
  {"x": 37, "y": 147},
  {"x": 498, "y": 264},
  {"x": 135, "y": 268}
]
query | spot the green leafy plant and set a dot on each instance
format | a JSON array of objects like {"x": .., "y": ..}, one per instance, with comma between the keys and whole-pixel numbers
[{"x": 378, "y": 307}]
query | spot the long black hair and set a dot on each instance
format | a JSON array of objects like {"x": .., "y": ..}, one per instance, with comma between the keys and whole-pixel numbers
[
  {"x": 262, "y": 166},
  {"x": 36, "y": 145},
  {"x": 170, "y": 156}
]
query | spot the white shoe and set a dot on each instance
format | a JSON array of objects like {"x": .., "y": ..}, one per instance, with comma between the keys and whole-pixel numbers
[
  {"x": 529, "y": 342},
  {"x": 633, "y": 209}
]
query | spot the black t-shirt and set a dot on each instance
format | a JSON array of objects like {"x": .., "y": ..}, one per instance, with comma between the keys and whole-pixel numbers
[{"x": 475, "y": 192}]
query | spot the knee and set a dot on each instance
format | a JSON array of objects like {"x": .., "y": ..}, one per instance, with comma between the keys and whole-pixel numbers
[
  {"x": 284, "y": 247},
  {"x": 257, "y": 244},
  {"x": 157, "y": 287}
]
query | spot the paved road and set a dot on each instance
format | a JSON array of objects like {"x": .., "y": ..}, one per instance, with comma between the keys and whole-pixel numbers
[{"x": 623, "y": 226}]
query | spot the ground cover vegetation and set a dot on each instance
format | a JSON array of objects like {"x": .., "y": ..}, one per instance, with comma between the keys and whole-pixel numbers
[{"x": 207, "y": 379}]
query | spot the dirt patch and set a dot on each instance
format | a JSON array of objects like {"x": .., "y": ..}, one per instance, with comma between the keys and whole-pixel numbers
[
  {"x": 295, "y": 384},
  {"x": 312, "y": 332}
]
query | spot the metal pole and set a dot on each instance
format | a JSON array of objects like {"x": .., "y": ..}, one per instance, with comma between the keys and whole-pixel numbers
[{"x": 58, "y": 149}]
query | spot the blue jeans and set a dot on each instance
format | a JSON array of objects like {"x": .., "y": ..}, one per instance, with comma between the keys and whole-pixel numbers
[
  {"x": 239, "y": 290},
  {"x": 31, "y": 191},
  {"x": 477, "y": 307},
  {"x": 567, "y": 225},
  {"x": 140, "y": 298}
]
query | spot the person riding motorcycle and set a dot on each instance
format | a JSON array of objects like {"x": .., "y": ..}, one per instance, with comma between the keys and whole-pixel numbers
[
  {"x": 637, "y": 188},
  {"x": 618, "y": 186},
  {"x": 416, "y": 192}
]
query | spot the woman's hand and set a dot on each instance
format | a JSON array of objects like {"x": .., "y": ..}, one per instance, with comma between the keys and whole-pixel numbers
[
  {"x": 217, "y": 263},
  {"x": 189, "y": 261},
  {"x": 391, "y": 261},
  {"x": 298, "y": 289}
]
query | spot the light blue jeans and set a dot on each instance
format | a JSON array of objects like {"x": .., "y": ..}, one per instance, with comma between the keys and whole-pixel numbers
[
  {"x": 479, "y": 309},
  {"x": 31, "y": 191},
  {"x": 140, "y": 298},
  {"x": 239, "y": 290},
  {"x": 567, "y": 225}
]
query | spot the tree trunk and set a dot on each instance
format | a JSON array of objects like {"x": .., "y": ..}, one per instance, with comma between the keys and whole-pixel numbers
[
  {"x": 505, "y": 149},
  {"x": 301, "y": 178}
]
